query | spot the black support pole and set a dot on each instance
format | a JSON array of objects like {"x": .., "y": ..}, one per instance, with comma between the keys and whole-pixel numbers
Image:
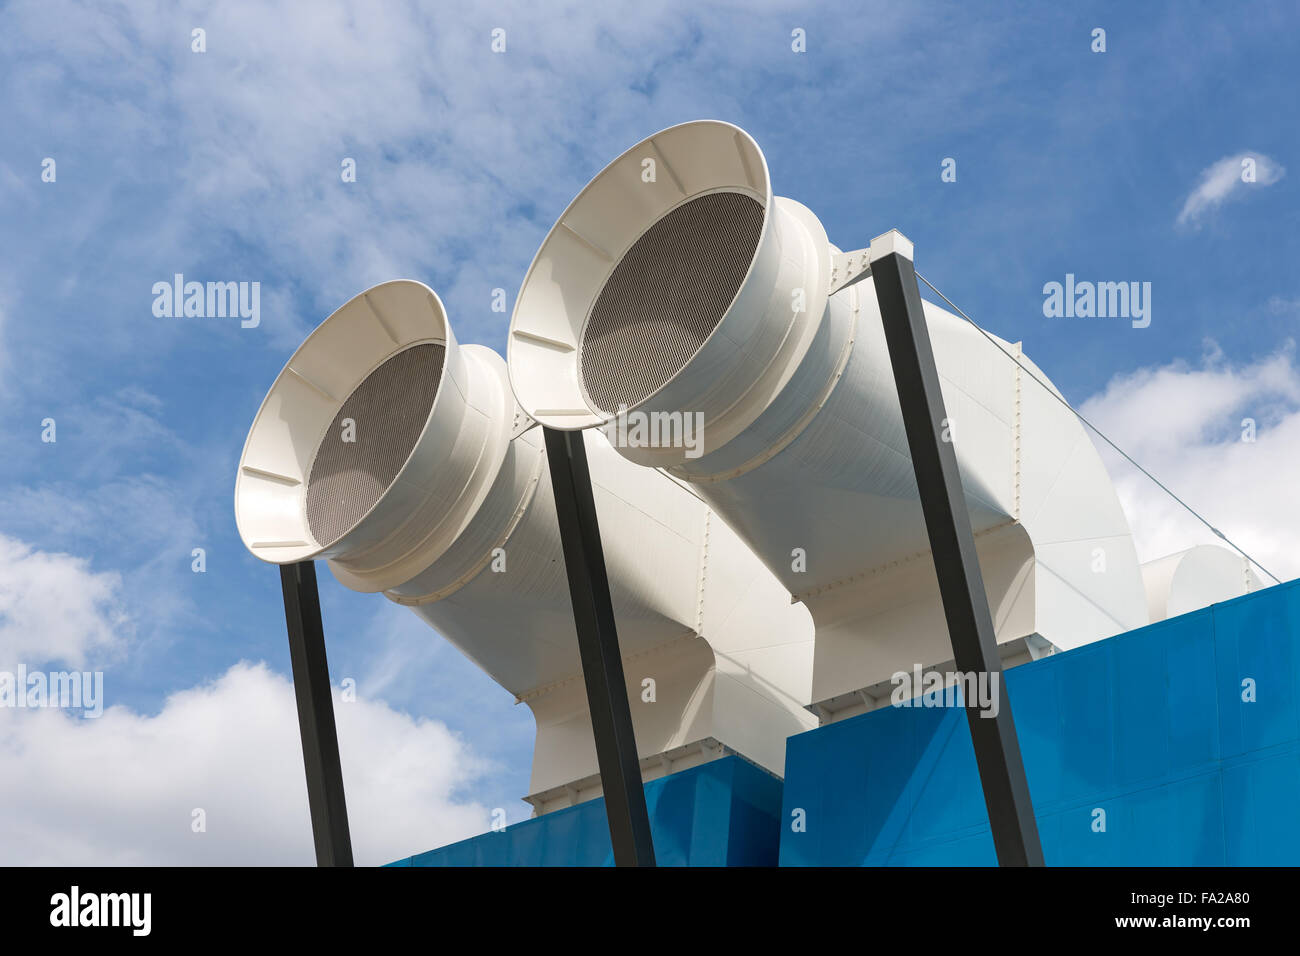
[
  {"x": 961, "y": 586},
  {"x": 602, "y": 665},
  {"x": 320, "y": 742}
]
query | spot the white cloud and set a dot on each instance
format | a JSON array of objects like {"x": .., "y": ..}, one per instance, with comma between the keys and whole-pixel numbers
[
  {"x": 53, "y": 607},
  {"x": 1184, "y": 423},
  {"x": 1223, "y": 180},
  {"x": 122, "y": 789},
  {"x": 145, "y": 525}
]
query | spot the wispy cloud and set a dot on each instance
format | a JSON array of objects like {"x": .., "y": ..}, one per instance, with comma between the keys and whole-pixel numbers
[{"x": 1229, "y": 178}]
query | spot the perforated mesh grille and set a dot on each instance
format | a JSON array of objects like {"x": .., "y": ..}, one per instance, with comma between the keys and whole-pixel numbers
[
  {"x": 389, "y": 409},
  {"x": 666, "y": 295}
]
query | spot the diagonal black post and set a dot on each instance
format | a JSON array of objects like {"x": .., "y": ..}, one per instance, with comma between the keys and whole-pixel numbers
[
  {"x": 947, "y": 521},
  {"x": 602, "y": 665},
  {"x": 320, "y": 742}
]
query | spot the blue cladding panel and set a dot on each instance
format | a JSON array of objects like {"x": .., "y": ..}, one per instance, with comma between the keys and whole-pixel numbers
[
  {"x": 1148, "y": 727},
  {"x": 723, "y": 813},
  {"x": 1256, "y": 640},
  {"x": 1263, "y": 826}
]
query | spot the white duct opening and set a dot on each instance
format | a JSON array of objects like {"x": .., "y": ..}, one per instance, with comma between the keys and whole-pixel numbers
[
  {"x": 437, "y": 493},
  {"x": 803, "y": 448},
  {"x": 449, "y": 446},
  {"x": 750, "y": 342}
]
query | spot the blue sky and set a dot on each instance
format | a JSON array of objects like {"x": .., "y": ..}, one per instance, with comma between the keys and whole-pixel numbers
[{"x": 224, "y": 166}]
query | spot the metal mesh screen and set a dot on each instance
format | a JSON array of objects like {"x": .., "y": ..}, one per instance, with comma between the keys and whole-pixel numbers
[
  {"x": 389, "y": 409},
  {"x": 666, "y": 295}
]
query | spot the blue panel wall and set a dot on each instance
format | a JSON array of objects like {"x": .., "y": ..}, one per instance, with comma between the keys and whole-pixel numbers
[
  {"x": 1149, "y": 727},
  {"x": 723, "y": 813}
]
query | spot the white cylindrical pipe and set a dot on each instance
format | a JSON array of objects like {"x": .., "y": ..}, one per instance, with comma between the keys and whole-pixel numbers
[
  {"x": 717, "y": 657},
  {"x": 801, "y": 446},
  {"x": 1198, "y": 577}
]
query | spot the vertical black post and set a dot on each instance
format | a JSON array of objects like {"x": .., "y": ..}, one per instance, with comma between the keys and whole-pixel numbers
[
  {"x": 320, "y": 742},
  {"x": 961, "y": 586},
  {"x": 602, "y": 665}
]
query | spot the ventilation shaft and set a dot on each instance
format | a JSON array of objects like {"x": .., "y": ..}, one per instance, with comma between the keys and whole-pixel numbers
[
  {"x": 401, "y": 458},
  {"x": 677, "y": 284}
]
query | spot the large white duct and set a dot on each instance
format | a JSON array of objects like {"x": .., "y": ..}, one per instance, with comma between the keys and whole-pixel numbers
[
  {"x": 1196, "y": 578},
  {"x": 677, "y": 284},
  {"x": 401, "y": 457}
]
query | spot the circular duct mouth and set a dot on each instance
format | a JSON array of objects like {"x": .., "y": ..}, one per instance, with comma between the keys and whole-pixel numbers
[
  {"x": 639, "y": 273},
  {"x": 370, "y": 440},
  {"x": 666, "y": 296},
  {"x": 335, "y": 434}
]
